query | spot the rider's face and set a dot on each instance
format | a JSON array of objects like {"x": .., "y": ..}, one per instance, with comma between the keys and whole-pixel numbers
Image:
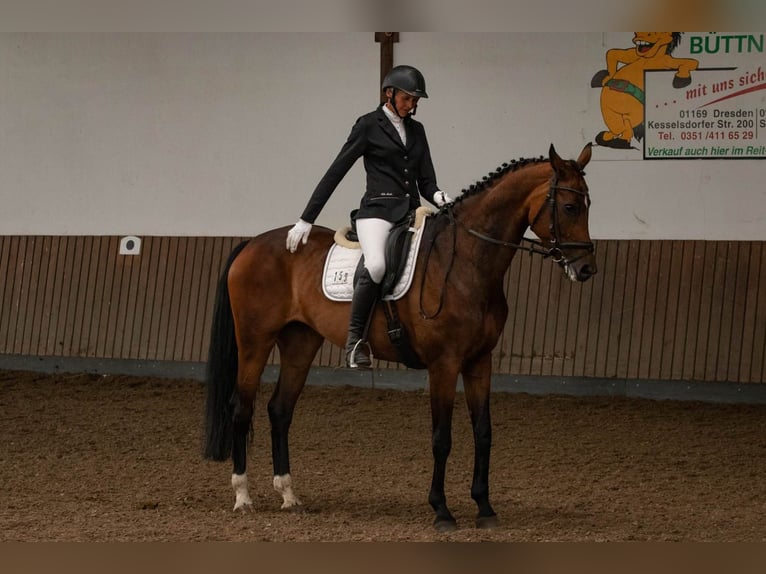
[{"x": 405, "y": 102}]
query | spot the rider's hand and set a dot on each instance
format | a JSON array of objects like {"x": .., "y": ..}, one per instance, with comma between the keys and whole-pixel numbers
[
  {"x": 299, "y": 232},
  {"x": 441, "y": 199}
]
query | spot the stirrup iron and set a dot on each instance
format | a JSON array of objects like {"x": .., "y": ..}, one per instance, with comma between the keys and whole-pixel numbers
[{"x": 351, "y": 356}]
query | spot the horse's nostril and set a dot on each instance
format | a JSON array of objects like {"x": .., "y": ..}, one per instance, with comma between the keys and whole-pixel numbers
[{"x": 588, "y": 271}]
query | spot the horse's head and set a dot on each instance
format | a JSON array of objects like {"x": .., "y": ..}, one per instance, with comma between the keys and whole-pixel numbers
[{"x": 559, "y": 216}]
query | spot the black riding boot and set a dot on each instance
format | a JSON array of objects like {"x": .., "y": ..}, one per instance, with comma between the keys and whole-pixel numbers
[{"x": 366, "y": 293}]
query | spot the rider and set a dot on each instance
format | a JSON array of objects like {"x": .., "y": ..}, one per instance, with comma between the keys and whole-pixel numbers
[{"x": 399, "y": 170}]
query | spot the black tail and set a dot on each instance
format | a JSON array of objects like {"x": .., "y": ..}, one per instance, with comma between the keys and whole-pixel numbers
[{"x": 221, "y": 376}]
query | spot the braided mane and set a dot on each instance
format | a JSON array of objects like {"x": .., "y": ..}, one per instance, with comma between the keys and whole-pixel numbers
[{"x": 492, "y": 176}]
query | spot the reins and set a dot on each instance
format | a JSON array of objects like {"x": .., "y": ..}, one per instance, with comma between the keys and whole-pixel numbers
[
  {"x": 447, "y": 209},
  {"x": 531, "y": 249}
]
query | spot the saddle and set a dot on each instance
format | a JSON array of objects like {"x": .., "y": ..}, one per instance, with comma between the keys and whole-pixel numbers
[{"x": 345, "y": 258}]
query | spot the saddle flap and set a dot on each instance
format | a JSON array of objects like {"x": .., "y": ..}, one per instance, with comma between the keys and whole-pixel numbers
[
  {"x": 343, "y": 259},
  {"x": 397, "y": 249}
]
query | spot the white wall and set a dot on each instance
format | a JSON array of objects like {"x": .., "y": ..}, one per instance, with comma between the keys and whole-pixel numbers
[
  {"x": 174, "y": 134},
  {"x": 227, "y": 134}
]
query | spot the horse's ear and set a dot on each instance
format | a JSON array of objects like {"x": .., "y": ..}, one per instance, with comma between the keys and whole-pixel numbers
[
  {"x": 556, "y": 160},
  {"x": 585, "y": 154}
]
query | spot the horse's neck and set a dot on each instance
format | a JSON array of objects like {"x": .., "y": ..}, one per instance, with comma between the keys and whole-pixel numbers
[{"x": 502, "y": 212}]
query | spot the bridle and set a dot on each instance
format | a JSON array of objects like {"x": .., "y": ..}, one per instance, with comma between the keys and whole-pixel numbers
[
  {"x": 557, "y": 248},
  {"x": 556, "y": 251}
]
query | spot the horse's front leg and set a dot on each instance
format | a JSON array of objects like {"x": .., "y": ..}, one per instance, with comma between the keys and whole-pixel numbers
[
  {"x": 476, "y": 380},
  {"x": 442, "y": 382}
]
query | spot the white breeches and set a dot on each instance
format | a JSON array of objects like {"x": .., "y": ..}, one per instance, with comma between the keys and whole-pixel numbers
[{"x": 373, "y": 234}]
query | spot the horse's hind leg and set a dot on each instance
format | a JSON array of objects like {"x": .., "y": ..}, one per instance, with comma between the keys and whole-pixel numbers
[
  {"x": 298, "y": 344},
  {"x": 252, "y": 359}
]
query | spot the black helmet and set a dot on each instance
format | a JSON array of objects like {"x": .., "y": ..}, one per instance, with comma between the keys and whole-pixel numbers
[{"x": 406, "y": 79}]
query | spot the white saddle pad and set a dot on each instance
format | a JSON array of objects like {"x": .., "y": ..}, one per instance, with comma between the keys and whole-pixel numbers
[{"x": 341, "y": 263}]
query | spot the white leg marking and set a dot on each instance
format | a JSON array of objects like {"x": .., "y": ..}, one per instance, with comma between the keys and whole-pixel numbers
[
  {"x": 284, "y": 485},
  {"x": 239, "y": 484}
]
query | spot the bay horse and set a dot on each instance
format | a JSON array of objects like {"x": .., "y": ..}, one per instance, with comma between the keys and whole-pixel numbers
[{"x": 453, "y": 313}]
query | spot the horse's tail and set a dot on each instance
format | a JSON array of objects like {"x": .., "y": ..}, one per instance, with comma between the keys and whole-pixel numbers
[{"x": 221, "y": 375}]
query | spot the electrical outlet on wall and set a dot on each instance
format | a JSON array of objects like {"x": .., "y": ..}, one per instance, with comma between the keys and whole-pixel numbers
[{"x": 130, "y": 245}]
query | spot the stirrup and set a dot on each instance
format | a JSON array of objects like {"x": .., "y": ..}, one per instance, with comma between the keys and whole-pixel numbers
[{"x": 365, "y": 360}]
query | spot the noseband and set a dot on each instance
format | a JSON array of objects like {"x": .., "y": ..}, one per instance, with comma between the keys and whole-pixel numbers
[{"x": 556, "y": 251}]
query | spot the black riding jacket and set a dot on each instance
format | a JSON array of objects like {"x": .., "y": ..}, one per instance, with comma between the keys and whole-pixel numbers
[{"x": 397, "y": 175}]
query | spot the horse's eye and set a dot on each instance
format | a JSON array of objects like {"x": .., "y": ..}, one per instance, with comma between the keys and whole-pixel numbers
[{"x": 571, "y": 208}]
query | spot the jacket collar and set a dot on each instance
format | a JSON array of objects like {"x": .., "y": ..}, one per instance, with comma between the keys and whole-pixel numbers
[{"x": 391, "y": 132}]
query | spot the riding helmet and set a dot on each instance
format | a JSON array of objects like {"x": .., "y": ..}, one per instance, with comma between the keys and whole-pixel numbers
[{"x": 406, "y": 79}]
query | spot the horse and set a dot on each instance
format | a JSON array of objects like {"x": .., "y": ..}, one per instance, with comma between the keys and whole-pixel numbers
[{"x": 453, "y": 313}]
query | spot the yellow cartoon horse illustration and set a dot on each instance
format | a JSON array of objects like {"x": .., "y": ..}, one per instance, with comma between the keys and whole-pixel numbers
[{"x": 622, "y": 87}]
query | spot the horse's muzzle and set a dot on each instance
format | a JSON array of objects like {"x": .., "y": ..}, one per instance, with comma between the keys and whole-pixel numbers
[
  {"x": 581, "y": 268},
  {"x": 586, "y": 271}
]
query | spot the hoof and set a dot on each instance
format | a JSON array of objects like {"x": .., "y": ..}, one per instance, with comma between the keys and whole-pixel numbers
[
  {"x": 445, "y": 525},
  {"x": 243, "y": 507},
  {"x": 487, "y": 522}
]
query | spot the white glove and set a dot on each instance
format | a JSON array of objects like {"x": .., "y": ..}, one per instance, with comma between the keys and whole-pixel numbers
[
  {"x": 299, "y": 232},
  {"x": 441, "y": 199}
]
